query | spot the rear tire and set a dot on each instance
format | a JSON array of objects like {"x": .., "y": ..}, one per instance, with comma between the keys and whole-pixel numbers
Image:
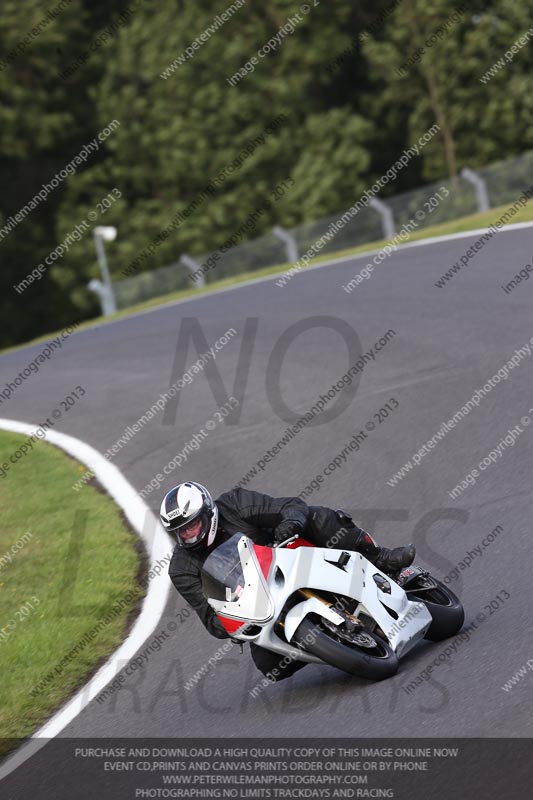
[
  {"x": 446, "y": 610},
  {"x": 375, "y": 663}
]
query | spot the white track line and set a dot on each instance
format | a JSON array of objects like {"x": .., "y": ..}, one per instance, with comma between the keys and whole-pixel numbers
[
  {"x": 158, "y": 546},
  {"x": 430, "y": 240},
  {"x": 446, "y": 237}
]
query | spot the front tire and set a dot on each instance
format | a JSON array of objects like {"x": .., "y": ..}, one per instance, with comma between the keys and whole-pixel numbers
[
  {"x": 447, "y": 612},
  {"x": 376, "y": 662}
]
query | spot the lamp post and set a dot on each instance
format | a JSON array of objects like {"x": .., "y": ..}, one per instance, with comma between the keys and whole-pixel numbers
[{"x": 104, "y": 289}]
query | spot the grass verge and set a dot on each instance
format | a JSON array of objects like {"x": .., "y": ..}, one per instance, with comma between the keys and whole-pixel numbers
[
  {"x": 471, "y": 222},
  {"x": 65, "y": 559}
]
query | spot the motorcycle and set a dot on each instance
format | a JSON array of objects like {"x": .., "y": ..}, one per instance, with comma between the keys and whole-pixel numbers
[{"x": 326, "y": 606}]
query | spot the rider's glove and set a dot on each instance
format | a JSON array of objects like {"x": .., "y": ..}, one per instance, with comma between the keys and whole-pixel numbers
[{"x": 287, "y": 529}]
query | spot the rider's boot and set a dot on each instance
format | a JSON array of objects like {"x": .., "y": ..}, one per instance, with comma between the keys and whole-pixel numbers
[{"x": 384, "y": 559}]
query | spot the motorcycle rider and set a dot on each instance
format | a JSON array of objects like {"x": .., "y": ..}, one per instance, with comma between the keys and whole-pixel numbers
[{"x": 201, "y": 524}]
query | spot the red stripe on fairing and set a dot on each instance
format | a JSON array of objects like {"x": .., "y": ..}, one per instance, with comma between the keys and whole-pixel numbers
[
  {"x": 231, "y": 625},
  {"x": 264, "y": 557},
  {"x": 299, "y": 543}
]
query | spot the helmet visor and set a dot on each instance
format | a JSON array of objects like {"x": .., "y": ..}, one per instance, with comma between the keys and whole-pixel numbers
[{"x": 191, "y": 533}]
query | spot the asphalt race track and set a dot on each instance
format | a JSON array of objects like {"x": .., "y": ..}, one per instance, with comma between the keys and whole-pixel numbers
[{"x": 447, "y": 343}]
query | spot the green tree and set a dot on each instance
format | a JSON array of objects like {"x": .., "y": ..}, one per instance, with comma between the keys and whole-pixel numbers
[
  {"x": 347, "y": 108},
  {"x": 178, "y": 132},
  {"x": 425, "y": 66},
  {"x": 40, "y": 122}
]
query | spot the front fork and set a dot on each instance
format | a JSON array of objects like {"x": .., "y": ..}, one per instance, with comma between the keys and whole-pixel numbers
[
  {"x": 315, "y": 603},
  {"x": 339, "y": 607}
]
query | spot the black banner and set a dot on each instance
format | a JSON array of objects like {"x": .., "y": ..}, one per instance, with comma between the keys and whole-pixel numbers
[{"x": 405, "y": 769}]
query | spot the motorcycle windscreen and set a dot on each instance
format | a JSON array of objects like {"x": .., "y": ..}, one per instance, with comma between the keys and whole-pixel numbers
[
  {"x": 233, "y": 582},
  {"x": 222, "y": 575}
]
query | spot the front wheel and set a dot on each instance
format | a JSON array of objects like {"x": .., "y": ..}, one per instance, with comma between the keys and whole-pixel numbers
[
  {"x": 363, "y": 653},
  {"x": 447, "y": 612}
]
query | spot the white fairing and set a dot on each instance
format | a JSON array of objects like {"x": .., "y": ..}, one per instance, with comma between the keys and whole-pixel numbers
[
  {"x": 316, "y": 568},
  {"x": 319, "y": 569},
  {"x": 255, "y": 603}
]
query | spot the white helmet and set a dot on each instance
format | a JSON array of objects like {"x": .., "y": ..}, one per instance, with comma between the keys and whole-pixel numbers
[{"x": 185, "y": 504}]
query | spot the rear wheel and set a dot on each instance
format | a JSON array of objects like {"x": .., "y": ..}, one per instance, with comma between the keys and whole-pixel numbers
[
  {"x": 446, "y": 609},
  {"x": 358, "y": 652}
]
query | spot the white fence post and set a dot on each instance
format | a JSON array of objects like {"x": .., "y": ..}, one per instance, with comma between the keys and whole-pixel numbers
[
  {"x": 387, "y": 219},
  {"x": 480, "y": 185},
  {"x": 291, "y": 247},
  {"x": 193, "y": 267}
]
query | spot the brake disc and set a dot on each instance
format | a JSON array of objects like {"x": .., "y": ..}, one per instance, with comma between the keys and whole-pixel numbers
[
  {"x": 363, "y": 640},
  {"x": 360, "y": 638}
]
